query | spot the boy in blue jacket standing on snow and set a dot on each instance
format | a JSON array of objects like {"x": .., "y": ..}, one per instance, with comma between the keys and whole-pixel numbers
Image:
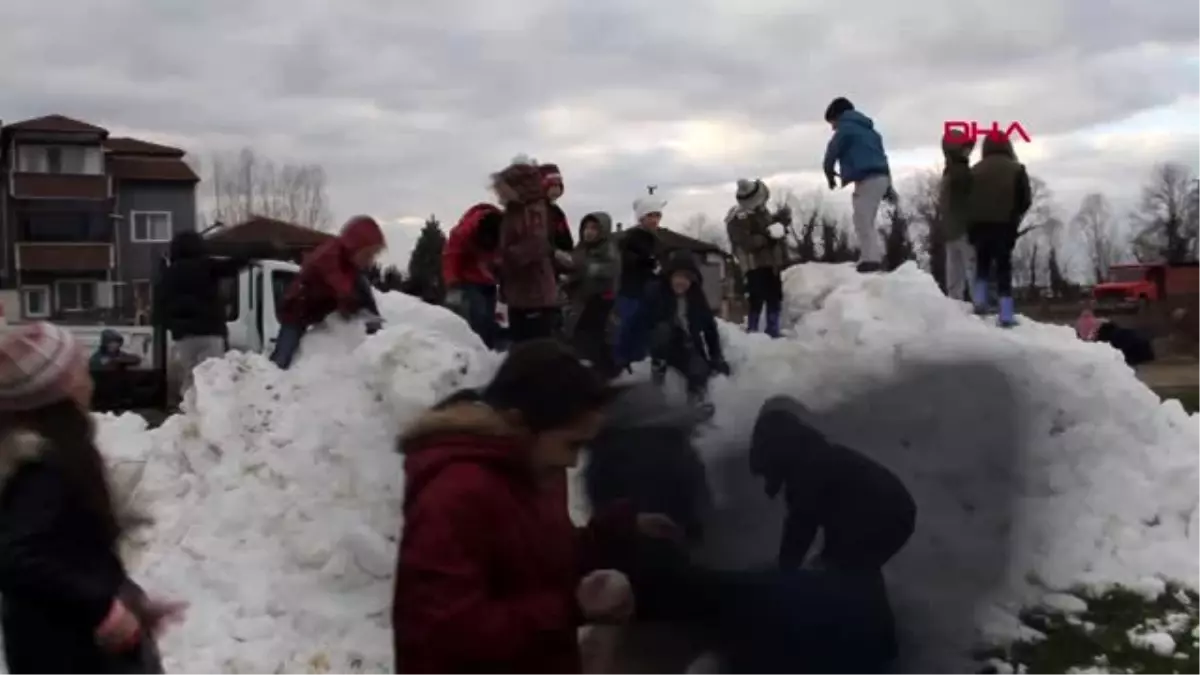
[{"x": 858, "y": 150}]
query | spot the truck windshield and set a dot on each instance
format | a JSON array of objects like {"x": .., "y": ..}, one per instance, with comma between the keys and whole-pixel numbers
[{"x": 1124, "y": 275}]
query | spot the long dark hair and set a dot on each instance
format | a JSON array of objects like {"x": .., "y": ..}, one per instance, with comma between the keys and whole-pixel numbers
[{"x": 71, "y": 448}]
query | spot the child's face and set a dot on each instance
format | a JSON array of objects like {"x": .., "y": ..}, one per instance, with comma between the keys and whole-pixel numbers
[
  {"x": 554, "y": 192},
  {"x": 651, "y": 220},
  {"x": 591, "y": 231},
  {"x": 680, "y": 282}
]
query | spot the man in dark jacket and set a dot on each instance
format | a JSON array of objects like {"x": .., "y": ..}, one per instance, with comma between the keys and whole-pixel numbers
[
  {"x": 1000, "y": 197},
  {"x": 683, "y": 331},
  {"x": 190, "y": 305},
  {"x": 330, "y": 280},
  {"x": 639, "y": 249},
  {"x": 863, "y": 510}
]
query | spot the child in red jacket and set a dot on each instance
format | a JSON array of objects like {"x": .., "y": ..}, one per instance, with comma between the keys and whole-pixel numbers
[
  {"x": 468, "y": 268},
  {"x": 331, "y": 279}
]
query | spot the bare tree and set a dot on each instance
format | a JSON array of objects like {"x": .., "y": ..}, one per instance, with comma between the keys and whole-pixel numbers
[
  {"x": 700, "y": 226},
  {"x": 923, "y": 198},
  {"x": 247, "y": 185},
  {"x": 1166, "y": 218},
  {"x": 1041, "y": 229},
  {"x": 1097, "y": 228}
]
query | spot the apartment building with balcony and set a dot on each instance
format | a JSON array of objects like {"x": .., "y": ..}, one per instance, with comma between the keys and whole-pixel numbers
[{"x": 84, "y": 218}]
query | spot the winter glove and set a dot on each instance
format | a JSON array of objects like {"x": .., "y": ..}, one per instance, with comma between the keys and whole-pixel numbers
[
  {"x": 721, "y": 366},
  {"x": 784, "y": 216},
  {"x": 374, "y": 326},
  {"x": 776, "y": 230},
  {"x": 563, "y": 258},
  {"x": 832, "y": 181}
]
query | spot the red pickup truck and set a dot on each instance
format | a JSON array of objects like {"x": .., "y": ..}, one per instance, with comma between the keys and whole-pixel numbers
[{"x": 1137, "y": 285}]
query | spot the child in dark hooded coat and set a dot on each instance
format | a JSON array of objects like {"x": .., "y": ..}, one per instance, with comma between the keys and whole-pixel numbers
[
  {"x": 591, "y": 283},
  {"x": 863, "y": 510},
  {"x": 683, "y": 330}
]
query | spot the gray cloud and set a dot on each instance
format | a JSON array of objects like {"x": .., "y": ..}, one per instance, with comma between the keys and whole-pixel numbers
[{"x": 409, "y": 107}]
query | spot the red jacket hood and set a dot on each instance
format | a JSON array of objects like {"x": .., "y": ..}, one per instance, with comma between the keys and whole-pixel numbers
[
  {"x": 466, "y": 431},
  {"x": 361, "y": 232},
  {"x": 478, "y": 211}
]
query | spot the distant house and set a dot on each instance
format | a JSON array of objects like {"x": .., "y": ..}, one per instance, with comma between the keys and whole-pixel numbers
[
  {"x": 291, "y": 240},
  {"x": 84, "y": 218}
]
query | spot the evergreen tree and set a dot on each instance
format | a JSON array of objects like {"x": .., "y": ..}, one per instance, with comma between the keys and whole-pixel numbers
[{"x": 425, "y": 264}]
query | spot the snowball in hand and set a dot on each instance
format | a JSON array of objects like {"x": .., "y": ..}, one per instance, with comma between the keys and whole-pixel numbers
[{"x": 775, "y": 230}]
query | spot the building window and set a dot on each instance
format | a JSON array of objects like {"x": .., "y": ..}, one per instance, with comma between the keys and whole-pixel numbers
[
  {"x": 35, "y": 302},
  {"x": 75, "y": 296},
  {"x": 150, "y": 227},
  {"x": 61, "y": 159}
]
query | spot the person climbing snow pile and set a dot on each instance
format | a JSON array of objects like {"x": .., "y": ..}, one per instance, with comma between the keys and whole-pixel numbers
[
  {"x": 862, "y": 510},
  {"x": 591, "y": 281},
  {"x": 527, "y": 254},
  {"x": 683, "y": 330},
  {"x": 331, "y": 280},
  {"x": 1000, "y": 197},
  {"x": 954, "y": 202},
  {"x": 468, "y": 269},
  {"x": 757, "y": 238},
  {"x": 856, "y": 148},
  {"x": 639, "y": 251}
]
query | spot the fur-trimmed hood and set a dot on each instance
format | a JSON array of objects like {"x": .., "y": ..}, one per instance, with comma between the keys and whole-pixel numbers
[
  {"x": 17, "y": 448},
  {"x": 463, "y": 429},
  {"x": 519, "y": 183}
]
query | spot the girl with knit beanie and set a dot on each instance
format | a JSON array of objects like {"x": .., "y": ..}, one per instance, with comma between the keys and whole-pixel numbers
[{"x": 69, "y": 605}]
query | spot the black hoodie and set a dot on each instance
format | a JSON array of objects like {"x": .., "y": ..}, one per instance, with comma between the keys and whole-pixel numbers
[{"x": 189, "y": 299}]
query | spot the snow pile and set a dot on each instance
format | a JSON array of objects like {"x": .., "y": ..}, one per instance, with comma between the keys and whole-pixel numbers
[{"x": 276, "y": 497}]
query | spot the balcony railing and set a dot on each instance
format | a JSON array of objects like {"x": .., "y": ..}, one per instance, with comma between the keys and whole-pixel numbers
[
  {"x": 60, "y": 186},
  {"x": 64, "y": 257}
]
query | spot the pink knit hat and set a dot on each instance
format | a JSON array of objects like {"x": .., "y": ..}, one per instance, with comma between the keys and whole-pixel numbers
[{"x": 36, "y": 364}]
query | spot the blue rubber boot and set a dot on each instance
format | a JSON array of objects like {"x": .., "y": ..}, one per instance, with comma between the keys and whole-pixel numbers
[
  {"x": 1008, "y": 317},
  {"x": 773, "y": 324},
  {"x": 979, "y": 296}
]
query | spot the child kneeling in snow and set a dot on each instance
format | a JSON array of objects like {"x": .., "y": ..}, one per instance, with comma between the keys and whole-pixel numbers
[
  {"x": 863, "y": 510},
  {"x": 331, "y": 279},
  {"x": 683, "y": 331}
]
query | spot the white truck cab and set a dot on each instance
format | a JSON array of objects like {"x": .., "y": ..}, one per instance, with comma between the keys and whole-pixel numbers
[{"x": 252, "y": 300}]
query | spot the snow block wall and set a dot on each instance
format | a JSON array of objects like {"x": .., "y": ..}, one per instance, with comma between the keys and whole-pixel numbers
[{"x": 275, "y": 497}]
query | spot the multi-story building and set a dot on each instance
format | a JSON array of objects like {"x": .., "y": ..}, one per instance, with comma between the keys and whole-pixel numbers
[{"x": 84, "y": 218}]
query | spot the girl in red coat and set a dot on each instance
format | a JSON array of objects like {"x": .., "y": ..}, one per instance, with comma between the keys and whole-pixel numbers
[{"x": 492, "y": 575}]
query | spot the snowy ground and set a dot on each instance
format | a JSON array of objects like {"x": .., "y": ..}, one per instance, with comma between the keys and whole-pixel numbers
[{"x": 276, "y": 496}]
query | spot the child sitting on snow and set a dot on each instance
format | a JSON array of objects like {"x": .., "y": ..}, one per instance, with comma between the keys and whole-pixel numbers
[
  {"x": 863, "y": 510},
  {"x": 683, "y": 331}
]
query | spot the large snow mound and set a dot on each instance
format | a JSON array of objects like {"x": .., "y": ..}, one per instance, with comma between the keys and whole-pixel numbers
[{"x": 276, "y": 496}]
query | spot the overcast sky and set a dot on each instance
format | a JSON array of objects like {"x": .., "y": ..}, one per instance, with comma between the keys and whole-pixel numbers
[{"x": 409, "y": 106}]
